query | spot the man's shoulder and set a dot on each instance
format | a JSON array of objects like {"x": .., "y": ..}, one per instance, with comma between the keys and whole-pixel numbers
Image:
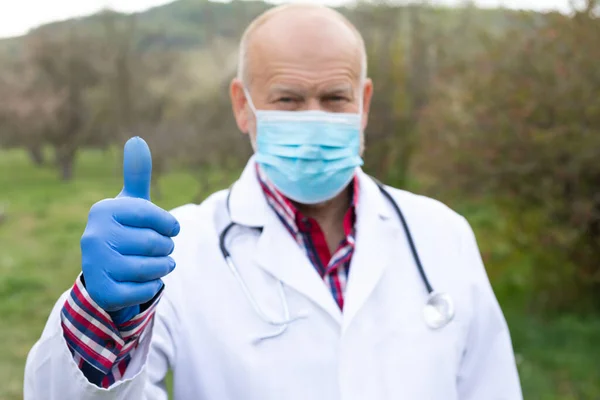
[
  {"x": 425, "y": 208},
  {"x": 188, "y": 215},
  {"x": 190, "y": 210},
  {"x": 434, "y": 224},
  {"x": 200, "y": 229}
]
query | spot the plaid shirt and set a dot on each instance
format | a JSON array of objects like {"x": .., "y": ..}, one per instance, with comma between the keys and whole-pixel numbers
[
  {"x": 333, "y": 268},
  {"x": 102, "y": 349}
]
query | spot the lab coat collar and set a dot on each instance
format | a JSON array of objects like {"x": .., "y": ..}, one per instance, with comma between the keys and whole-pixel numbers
[
  {"x": 280, "y": 255},
  {"x": 376, "y": 238},
  {"x": 247, "y": 203},
  {"x": 374, "y": 198},
  {"x": 277, "y": 252},
  {"x": 248, "y": 206}
]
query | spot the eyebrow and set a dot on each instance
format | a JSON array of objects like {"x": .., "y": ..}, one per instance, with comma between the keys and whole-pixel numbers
[
  {"x": 291, "y": 90},
  {"x": 342, "y": 88},
  {"x": 297, "y": 91}
]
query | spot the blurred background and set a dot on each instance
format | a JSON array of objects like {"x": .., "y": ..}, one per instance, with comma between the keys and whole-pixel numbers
[{"x": 494, "y": 111}]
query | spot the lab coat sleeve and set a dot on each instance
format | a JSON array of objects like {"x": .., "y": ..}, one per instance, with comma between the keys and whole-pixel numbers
[
  {"x": 102, "y": 347},
  {"x": 52, "y": 374},
  {"x": 488, "y": 369}
]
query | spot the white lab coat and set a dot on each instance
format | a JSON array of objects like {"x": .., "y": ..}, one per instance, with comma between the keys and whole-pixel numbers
[{"x": 207, "y": 332}]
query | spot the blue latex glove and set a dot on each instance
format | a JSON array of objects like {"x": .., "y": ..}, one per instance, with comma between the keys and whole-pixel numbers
[{"x": 127, "y": 241}]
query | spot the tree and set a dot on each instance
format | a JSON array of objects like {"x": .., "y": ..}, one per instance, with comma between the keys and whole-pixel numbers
[
  {"x": 401, "y": 44},
  {"x": 25, "y": 112},
  {"x": 67, "y": 70},
  {"x": 524, "y": 126}
]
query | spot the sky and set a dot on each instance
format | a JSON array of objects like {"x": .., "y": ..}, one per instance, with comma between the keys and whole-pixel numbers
[{"x": 17, "y": 17}]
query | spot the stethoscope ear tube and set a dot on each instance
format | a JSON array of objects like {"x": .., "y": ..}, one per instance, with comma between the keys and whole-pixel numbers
[
  {"x": 439, "y": 307},
  {"x": 222, "y": 238},
  {"x": 409, "y": 237}
]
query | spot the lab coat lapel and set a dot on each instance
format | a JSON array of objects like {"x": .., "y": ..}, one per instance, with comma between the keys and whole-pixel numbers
[
  {"x": 247, "y": 204},
  {"x": 277, "y": 252},
  {"x": 376, "y": 241}
]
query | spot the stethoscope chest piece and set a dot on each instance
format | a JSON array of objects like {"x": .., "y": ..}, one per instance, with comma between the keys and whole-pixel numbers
[{"x": 438, "y": 311}]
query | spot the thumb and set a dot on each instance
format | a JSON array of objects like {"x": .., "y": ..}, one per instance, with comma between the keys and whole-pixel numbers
[{"x": 137, "y": 169}]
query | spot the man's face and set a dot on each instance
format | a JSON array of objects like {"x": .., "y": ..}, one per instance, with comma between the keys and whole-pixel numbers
[{"x": 302, "y": 60}]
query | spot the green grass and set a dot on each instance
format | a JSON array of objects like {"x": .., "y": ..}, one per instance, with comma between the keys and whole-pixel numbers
[{"x": 39, "y": 258}]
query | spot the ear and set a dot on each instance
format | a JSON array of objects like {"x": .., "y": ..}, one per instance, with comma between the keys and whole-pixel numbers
[
  {"x": 367, "y": 96},
  {"x": 239, "y": 104}
]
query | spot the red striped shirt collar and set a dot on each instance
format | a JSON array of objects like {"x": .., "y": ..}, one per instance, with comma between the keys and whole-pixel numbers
[{"x": 286, "y": 209}]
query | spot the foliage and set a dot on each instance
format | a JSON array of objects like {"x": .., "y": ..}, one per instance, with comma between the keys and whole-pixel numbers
[
  {"x": 46, "y": 102},
  {"x": 522, "y": 125},
  {"x": 481, "y": 101},
  {"x": 495, "y": 112},
  {"x": 193, "y": 24},
  {"x": 80, "y": 89},
  {"x": 40, "y": 258}
]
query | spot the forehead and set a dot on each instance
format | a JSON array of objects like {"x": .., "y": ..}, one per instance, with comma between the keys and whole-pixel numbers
[{"x": 304, "y": 48}]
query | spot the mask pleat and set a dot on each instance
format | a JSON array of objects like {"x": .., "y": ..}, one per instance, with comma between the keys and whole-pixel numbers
[{"x": 310, "y": 156}]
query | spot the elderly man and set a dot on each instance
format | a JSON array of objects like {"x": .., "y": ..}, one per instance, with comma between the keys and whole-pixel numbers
[{"x": 306, "y": 280}]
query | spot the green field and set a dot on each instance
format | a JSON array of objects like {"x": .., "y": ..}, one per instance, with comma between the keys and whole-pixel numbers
[{"x": 39, "y": 259}]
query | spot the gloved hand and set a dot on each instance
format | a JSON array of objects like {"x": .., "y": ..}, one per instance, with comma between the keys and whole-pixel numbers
[{"x": 127, "y": 241}]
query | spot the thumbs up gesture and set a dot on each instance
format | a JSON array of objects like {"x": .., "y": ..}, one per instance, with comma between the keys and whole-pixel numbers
[{"x": 127, "y": 243}]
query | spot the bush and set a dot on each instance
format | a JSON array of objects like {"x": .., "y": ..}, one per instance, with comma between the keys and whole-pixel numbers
[{"x": 522, "y": 125}]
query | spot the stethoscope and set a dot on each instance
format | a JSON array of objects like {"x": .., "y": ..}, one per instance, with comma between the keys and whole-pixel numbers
[{"x": 438, "y": 310}]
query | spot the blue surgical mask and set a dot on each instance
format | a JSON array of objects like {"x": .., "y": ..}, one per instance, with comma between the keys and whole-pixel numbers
[{"x": 310, "y": 156}]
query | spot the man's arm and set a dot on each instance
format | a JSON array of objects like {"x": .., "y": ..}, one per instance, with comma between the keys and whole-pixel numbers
[
  {"x": 488, "y": 369},
  {"x": 88, "y": 349},
  {"x": 53, "y": 371},
  {"x": 101, "y": 347}
]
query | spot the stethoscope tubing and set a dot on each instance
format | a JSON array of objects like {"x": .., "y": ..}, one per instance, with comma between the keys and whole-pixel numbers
[
  {"x": 394, "y": 205},
  {"x": 409, "y": 237},
  {"x": 435, "y": 320}
]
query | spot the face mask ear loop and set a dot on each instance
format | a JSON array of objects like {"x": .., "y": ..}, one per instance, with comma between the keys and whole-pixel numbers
[{"x": 249, "y": 100}]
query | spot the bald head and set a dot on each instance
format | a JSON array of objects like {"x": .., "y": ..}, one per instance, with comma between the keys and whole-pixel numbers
[
  {"x": 300, "y": 57},
  {"x": 310, "y": 31}
]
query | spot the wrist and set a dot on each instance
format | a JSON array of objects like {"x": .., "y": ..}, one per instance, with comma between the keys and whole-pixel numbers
[{"x": 123, "y": 315}]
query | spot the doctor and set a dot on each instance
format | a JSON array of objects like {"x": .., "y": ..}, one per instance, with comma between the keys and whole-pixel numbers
[{"x": 305, "y": 281}]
